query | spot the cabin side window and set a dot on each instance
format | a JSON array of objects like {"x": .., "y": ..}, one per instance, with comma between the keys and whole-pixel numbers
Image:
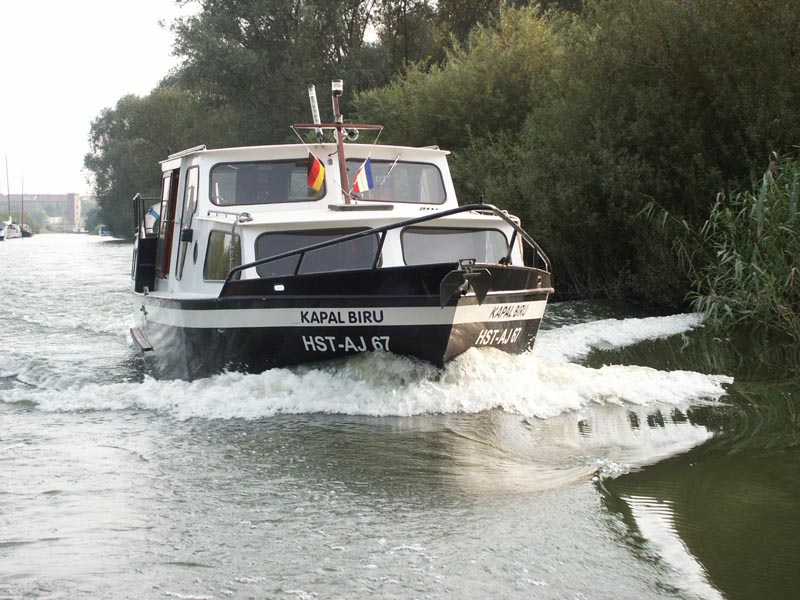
[
  {"x": 422, "y": 245},
  {"x": 224, "y": 253},
  {"x": 397, "y": 181},
  {"x": 263, "y": 182},
  {"x": 354, "y": 254}
]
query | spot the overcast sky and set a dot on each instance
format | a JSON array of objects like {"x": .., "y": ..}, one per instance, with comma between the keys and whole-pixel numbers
[{"x": 62, "y": 63}]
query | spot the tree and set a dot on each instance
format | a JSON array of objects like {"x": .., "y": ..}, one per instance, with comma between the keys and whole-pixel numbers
[
  {"x": 129, "y": 140},
  {"x": 487, "y": 87},
  {"x": 256, "y": 57},
  {"x": 673, "y": 101},
  {"x": 406, "y": 31},
  {"x": 574, "y": 120}
]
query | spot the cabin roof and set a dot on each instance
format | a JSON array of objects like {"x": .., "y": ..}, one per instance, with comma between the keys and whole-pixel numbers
[{"x": 326, "y": 149}]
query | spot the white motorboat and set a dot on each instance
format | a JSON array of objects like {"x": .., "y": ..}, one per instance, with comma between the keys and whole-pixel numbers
[
  {"x": 265, "y": 256},
  {"x": 13, "y": 231}
]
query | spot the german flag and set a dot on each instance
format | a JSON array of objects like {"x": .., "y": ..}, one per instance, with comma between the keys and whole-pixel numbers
[{"x": 316, "y": 173}]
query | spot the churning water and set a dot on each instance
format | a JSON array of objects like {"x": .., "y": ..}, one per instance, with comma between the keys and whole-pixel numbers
[{"x": 374, "y": 476}]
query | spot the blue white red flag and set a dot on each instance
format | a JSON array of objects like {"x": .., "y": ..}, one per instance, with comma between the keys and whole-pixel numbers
[{"x": 363, "y": 178}]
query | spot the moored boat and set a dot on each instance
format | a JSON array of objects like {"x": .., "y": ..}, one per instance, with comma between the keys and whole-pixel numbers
[
  {"x": 13, "y": 231},
  {"x": 265, "y": 256}
]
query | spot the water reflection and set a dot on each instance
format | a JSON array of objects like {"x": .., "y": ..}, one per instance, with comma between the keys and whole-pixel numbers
[
  {"x": 723, "y": 517},
  {"x": 655, "y": 520},
  {"x": 462, "y": 455}
]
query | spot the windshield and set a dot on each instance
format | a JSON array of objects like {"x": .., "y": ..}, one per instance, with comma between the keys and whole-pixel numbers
[
  {"x": 355, "y": 254},
  {"x": 398, "y": 181},
  {"x": 429, "y": 245},
  {"x": 263, "y": 182}
]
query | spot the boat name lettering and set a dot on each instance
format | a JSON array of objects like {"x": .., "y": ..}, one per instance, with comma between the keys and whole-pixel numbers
[
  {"x": 508, "y": 311},
  {"x": 340, "y": 317},
  {"x": 491, "y": 337},
  {"x": 346, "y": 343}
]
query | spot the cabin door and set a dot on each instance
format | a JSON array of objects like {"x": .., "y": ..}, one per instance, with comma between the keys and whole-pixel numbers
[{"x": 169, "y": 202}]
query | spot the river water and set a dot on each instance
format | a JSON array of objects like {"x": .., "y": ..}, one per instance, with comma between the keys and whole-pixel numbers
[{"x": 628, "y": 456}]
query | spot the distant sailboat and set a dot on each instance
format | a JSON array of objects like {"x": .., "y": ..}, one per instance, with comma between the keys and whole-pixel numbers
[
  {"x": 8, "y": 193},
  {"x": 11, "y": 230},
  {"x": 24, "y": 228}
]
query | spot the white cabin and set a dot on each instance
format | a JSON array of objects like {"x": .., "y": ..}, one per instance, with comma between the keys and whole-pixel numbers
[{"x": 227, "y": 207}]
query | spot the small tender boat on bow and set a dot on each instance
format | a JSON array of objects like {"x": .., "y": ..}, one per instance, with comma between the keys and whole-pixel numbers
[{"x": 266, "y": 256}]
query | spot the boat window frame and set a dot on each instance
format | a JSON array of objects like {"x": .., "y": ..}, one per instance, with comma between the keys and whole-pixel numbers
[
  {"x": 461, "y": 229},
  {"x": 212, "y": 197},
  {"x": 183, "y": 245},
  {"x": 339, "y": 232},
  {"x": 166, "y": 230},
  {"x": 357, "y": 162}
]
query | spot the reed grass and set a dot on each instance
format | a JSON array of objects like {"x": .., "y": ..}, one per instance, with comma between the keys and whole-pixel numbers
[{"x": 744, "y": 260}]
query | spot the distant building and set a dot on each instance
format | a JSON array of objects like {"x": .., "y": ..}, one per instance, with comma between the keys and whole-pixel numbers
[
  {"x": 61, "y": 209},
  {"x": 74, "y": 210}
]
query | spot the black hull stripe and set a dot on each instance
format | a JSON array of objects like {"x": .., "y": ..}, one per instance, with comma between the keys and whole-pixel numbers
[{"x": 189, "y": 353}]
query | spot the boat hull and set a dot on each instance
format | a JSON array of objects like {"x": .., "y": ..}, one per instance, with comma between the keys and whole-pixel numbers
[{"x": 253, "y": 332}]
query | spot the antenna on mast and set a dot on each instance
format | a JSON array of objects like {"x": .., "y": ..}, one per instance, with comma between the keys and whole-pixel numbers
[{"x": 312, "y": 98}]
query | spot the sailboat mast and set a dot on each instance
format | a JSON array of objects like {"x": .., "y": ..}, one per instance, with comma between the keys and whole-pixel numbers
[
  {"x": 22, "y": 210},
  {"x": 8, "y": 190}
]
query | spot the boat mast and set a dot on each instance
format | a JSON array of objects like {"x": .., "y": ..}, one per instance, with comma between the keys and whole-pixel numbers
[
  {"x": 350, "y": 132},
  {"x": 22, "y": 210},
  {"x": 337, "y": 86}
]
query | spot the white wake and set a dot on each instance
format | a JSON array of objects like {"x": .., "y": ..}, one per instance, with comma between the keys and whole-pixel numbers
[{"x": 543, "y": 383}]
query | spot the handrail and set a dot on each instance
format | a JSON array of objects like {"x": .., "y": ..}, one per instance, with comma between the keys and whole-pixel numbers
[
  {"x": 241, "y": 217},
  {"x": 382, "y": 230}
]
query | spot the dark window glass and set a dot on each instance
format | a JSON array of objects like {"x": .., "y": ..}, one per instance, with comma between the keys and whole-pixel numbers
[
  {"x": 262, "y": 183},
  {"x": 224, "y": 252},
  {"x": 430, "y": 245},
  {"x": 404, "y": 182},
  {"x": 355, "y": 254},
  {"x": 187, "y": 212},
  {"x": 169, "y": 201}
]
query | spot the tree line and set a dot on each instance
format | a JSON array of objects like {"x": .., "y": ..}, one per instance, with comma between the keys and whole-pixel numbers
[{"x": 572, "y": 114}]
